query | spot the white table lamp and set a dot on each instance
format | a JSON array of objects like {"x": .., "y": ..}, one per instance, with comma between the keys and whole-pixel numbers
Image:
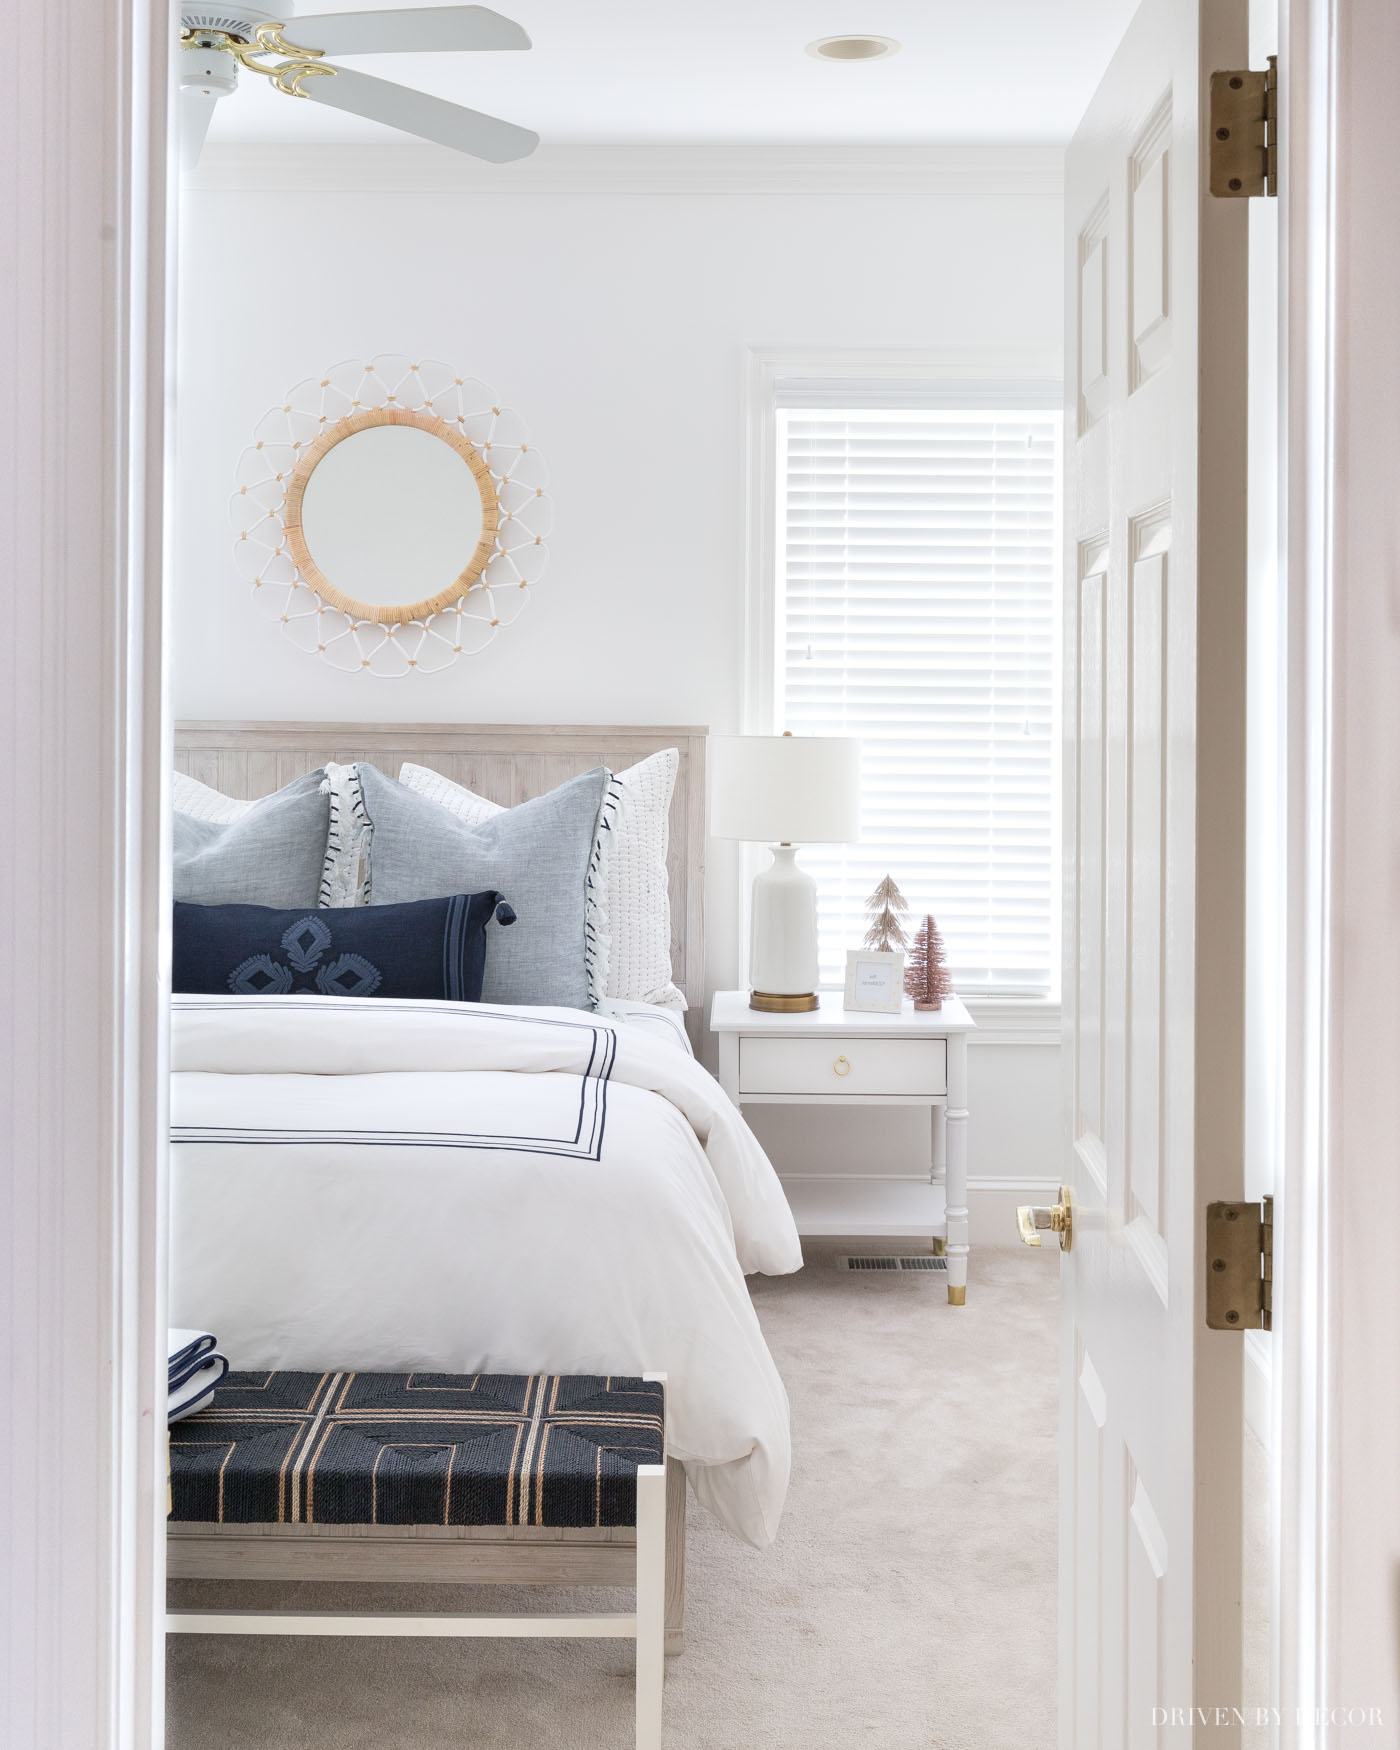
[{"x": 784, "y": 791}]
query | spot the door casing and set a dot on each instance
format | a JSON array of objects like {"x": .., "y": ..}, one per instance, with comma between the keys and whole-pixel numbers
[
  {"x": 102, "y": 1673},
  {"x": 1336, "y": 1519}
]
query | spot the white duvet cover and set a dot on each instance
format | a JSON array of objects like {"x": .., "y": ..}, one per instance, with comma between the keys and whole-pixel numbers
[{"x": 392, "y": 1185}]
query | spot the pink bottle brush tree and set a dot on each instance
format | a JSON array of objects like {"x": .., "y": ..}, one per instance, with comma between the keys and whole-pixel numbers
[{"x": 926, "y": 973}]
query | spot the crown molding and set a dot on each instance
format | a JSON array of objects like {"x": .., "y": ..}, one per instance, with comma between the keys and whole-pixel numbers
[{"x": 655, "y": 169}]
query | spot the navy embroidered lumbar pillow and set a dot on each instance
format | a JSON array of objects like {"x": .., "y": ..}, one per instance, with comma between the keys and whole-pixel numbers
[{"x": 427, "y": 948}]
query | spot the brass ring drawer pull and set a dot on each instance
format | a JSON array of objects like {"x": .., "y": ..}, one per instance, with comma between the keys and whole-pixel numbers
[{"x": 842, "y": 1066}]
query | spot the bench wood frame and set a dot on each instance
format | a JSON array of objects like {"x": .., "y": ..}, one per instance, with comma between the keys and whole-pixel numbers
[
  {"x": 649, "y": 1557},
  {"x": 476, "y": 1555}
]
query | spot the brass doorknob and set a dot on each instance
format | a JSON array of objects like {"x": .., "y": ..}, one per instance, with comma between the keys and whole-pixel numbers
[{"x": 1059, "y": 1219}]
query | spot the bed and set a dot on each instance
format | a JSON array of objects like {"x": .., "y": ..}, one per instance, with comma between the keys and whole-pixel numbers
[{"x": 389, "y": 1185}]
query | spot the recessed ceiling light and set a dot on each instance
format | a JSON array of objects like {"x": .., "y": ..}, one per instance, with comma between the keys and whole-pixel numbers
[{"x": 853, "y": 48}]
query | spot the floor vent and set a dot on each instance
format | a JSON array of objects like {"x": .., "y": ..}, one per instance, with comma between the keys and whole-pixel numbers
[{"x": 882, "y": 1263}]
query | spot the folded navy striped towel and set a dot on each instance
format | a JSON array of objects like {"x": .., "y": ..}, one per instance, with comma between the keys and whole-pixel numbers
[
  {"x": 196, "y": 1369},
  {"x": 188, "y": 1351}
]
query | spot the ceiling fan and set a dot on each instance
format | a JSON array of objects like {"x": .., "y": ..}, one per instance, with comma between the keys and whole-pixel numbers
[{"x": 218, "y": 40}]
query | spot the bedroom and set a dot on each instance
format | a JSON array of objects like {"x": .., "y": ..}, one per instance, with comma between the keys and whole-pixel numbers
[
  {"x": 630, "y": 290},
  {"x": 701, "y": 301},
  {"x": 736, "y": 276}
]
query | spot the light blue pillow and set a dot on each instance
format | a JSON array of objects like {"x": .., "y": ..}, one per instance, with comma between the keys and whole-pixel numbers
[
  {"x": 537, "y": 856},
  {"x": 273, "y": 854}
]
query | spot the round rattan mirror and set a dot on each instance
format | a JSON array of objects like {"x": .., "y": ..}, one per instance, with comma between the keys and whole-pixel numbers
[{"x": 391, "y": 515}]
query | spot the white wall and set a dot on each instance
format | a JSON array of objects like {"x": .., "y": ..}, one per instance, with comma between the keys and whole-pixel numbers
[
  {"x": 615, "y": 322},
  {"x": 1359, "y": 1308}
]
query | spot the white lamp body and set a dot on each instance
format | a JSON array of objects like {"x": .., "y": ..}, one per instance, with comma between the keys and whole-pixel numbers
[{"x": 783, "y": 933}]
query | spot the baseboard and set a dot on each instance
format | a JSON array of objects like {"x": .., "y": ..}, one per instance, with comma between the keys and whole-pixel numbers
[{"x": 992, "y": 1202}]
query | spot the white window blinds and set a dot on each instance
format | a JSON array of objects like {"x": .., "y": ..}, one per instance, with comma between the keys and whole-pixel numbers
[{"x": 917, "y": 569}]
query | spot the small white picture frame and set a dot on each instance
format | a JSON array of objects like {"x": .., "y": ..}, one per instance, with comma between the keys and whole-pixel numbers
[{"x": 874, "y": 982}]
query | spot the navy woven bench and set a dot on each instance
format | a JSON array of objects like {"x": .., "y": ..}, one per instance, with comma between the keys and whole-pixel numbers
[{"x": 436, "y": 1470}]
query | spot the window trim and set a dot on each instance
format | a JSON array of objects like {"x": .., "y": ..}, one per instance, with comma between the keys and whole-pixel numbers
[{"x": 764, "y": 368}]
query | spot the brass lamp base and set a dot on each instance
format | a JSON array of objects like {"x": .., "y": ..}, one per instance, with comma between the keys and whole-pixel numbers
[{"x": 777, "y": 1005}]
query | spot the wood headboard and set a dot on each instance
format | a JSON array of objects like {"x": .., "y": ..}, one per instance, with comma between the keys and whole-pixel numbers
[{"x": 509, "y": 762}]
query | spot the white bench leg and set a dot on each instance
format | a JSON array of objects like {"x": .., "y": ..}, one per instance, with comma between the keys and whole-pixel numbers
[
  {"x": 675, "y": 1558},
  {"x": 651, "y": 1602}
]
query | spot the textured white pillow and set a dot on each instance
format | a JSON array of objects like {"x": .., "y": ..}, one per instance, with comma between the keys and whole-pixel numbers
[
  {"x": 455, "y": 798},
  {"x": 189, "y": 796},
  {"x": 632, "y": 859}
]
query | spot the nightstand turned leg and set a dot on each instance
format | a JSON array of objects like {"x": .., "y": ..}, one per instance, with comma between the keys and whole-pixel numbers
[
  {"x": 957, "y": 1170},
  {"x": 938, "y": 1166}
]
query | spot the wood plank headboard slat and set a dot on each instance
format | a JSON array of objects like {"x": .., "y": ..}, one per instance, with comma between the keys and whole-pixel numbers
[{"x": 509, "y": 762}]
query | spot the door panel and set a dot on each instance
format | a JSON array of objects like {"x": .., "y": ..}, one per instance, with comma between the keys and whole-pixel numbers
[
  {"x": 1095, "y": 1609},
  {"x": 1154, "y": 891},
  {"x": 1090, "y": 642},
  {"x": 1142, "y": 1614}
]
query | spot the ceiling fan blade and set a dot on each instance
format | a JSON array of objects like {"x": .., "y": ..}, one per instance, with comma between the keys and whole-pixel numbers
[
  {"x": 424, "y": 29},
  {"x": 196, "y": 112},
  {"x": 415, "y": 112}
]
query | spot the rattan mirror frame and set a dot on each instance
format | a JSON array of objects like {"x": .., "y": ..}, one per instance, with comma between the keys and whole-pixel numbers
[
  {"x": 324, "y": 586},
  {"x": 391, "y": 645}
]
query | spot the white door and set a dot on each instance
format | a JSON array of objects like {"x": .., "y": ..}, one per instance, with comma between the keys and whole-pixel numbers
[{"x": 1154, "y": 968}]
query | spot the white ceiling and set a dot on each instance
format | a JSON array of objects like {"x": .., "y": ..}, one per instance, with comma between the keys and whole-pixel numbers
[{"x": 735, "y": 71}]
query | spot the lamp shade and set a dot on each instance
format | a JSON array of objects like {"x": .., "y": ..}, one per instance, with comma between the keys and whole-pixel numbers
[{"x": 793, "y": 789}]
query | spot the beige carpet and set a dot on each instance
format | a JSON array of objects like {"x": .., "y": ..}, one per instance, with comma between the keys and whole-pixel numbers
[{"x": 908, "y": 1604}]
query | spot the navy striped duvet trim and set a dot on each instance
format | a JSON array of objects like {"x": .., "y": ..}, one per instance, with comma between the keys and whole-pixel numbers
[
  {"x": 585, "y": 1142},
  {"x": 189, "y": 1004},
  {"x": 418, "y": 1449}
]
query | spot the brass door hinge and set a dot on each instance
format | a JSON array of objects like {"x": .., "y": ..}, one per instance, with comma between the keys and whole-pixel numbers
[
  {"x": 1244, "y": 132},
  {"x": 1240, "y": 1266}
]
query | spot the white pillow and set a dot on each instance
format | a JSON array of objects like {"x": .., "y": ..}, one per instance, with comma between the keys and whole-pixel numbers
[
  {"x": 189, "y": 796},
  {"x": 634, "y": 955}
]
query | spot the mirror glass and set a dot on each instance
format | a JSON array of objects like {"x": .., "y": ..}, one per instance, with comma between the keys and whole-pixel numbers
[{"x": 391, "y": 515}]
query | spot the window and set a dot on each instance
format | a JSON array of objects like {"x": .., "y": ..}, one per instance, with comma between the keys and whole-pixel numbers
[{"x": 917, "y": 571}]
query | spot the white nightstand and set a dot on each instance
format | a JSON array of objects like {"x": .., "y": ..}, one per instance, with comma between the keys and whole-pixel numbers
[{"x": 830, "y": 1057}]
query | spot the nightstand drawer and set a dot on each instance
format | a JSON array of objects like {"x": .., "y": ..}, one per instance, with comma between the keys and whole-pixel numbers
[{"x": 833, "y": 1065}]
